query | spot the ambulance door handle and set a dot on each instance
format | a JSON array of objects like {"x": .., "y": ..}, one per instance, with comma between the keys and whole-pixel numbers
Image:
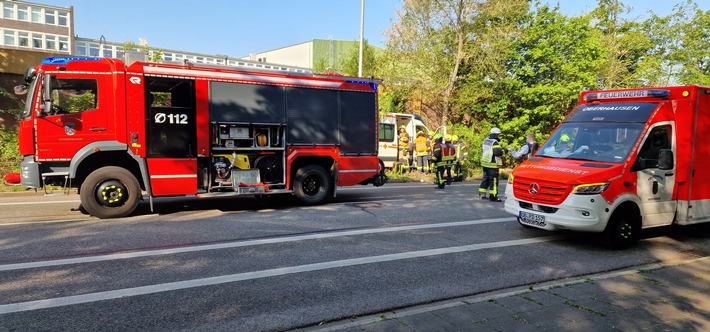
[
  {"x": 669, "y": 174},
  {"x": 97, "y": 129}
]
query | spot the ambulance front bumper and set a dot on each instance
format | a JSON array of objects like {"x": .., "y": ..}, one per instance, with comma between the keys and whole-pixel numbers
[{"x": 582, "y": 213}]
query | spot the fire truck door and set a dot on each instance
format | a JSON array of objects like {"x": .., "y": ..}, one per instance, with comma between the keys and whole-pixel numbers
[
  {"x": 172, "y": 142},
  {"x": 77, "y": 118},
  {"x": 654, "y": 185}
]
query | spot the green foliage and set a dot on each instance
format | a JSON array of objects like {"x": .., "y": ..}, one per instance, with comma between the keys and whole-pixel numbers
[
  {"x": 10, "y": 157},
  {"x": 350, "y": 62},
  {"x": 521, "y": 66}
]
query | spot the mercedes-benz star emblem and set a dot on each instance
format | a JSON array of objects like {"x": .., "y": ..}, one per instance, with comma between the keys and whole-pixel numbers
[{"x": 534, "y": 188}]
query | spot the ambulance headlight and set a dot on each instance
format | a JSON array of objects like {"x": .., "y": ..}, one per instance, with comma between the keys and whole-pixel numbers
[{"x": 590, "y": 189}]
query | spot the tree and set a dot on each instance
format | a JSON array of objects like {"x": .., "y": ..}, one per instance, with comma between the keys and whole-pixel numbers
[
  {"x": 555, "y": 58},
  {"x": 433, "y": 39},
  {"x": 350, "y": 62}
]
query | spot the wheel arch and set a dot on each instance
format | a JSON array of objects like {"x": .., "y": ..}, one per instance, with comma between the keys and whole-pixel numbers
[
  {"x": 101, "y": 154},
  {"x": 326, "y": 162}
]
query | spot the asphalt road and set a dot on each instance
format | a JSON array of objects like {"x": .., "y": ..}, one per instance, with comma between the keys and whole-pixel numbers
[{"x": 248, "y": 265}]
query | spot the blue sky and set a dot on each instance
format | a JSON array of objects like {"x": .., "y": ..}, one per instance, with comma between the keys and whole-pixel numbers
[{"x": 238, "y": 27}]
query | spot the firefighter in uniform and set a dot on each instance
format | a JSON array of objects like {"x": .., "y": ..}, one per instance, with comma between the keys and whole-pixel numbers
[
  {"x": 421, "y": 147},
  {"x": 437, "y": 160},
  {"x": 491, "y": 160},
  {"x": 404, "y": 148},
  {"x": 449, "y": 156},
  {"x": 461, "y": 154}
]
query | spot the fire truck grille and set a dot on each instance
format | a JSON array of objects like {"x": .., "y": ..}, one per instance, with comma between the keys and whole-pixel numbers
[{"x": 538, "y": 191}]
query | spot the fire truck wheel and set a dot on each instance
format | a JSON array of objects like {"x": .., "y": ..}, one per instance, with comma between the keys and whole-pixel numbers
[
  {"x": 110, "y": 192},
  {"x": 621, "y": 232},
  {"x": 311, "y": 184}
]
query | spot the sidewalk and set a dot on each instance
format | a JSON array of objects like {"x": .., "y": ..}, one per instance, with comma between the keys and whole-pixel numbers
[{"x": 658, "y": 297}]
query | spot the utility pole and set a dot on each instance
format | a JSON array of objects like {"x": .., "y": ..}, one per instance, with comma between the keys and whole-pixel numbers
[{"x": 362, "y": 32}]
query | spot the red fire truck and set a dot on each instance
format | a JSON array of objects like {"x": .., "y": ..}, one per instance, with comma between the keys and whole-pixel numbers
[
  {"x": 622, "y": 160},
  {"x": 121, "y": 132}
]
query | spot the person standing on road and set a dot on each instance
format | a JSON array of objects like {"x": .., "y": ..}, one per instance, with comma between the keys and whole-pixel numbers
[
  {"x": 421, "y": 147},
  {"x": 437, "y": 160},
  {"x": 461, "y": 154},
  {"x": 491, "y": 161},
  {"x": 403, "y": 143},
  {"x": 449, "y": 157}
]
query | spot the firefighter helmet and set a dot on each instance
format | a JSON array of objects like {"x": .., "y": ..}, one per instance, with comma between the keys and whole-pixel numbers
[
  {"x": 495, "y": 130},
  {"x": 455, "y": 138}
]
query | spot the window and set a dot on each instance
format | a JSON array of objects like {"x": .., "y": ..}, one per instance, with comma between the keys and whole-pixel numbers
[
  {"x": 50, "y": 17},
  {"x": 37, "y": 41},
  {"x": 119, "y": 52},
  {"x": 71, "y": 95},
  {"x": 8, "y": 11},
  {"x": 23, "y": 13},
  {"x": 93, "y": 49},
  {"x": 108, "y": 51},
  {"x": 37, "y": 15},
  {"x": 63, "y": 19},
  {"x": 81, "y": 49},
  {"x": 657, "y": 140},
  {"x": 387, "y": 132},
  {"x": 63, "y": 44},
  {"x": 51, "y": 42},
  {"x": 23, "y": 39},
  {"x": 9, "y": 38}
]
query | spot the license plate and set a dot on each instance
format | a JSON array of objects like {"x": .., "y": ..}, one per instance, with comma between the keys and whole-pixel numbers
[{"x": 532, "y": 219}]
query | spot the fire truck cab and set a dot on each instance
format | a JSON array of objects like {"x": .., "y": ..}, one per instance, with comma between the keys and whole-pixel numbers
[
  {"x": 120, "y": 132},
  {"x": 622, "y": 160}
]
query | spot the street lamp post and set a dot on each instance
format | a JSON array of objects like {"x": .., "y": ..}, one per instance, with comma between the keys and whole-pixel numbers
[{"x": 362, "y": 32}]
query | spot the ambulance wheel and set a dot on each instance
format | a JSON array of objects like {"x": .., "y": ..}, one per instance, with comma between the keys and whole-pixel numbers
[
  {"x": 622, "y": 231},
  {"x": 311, "y": 184},
  {"x": 110, "y": 192}
]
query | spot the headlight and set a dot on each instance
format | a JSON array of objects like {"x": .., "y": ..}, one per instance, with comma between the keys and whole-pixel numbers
[
  {"x": 510, "y": 179},
  {"x": 590, "y": 189}
]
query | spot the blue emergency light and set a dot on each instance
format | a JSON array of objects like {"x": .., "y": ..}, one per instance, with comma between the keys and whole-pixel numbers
[{"x": 63, "y": 60}]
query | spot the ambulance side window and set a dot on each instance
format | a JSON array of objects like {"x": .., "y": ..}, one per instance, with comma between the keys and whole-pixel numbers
[
  {"x": 386, "y": 132},
  {"x": 658, "y": 139}
]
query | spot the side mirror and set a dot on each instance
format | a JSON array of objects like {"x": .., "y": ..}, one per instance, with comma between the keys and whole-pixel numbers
[
  {"x": 665, "y": 159},
  {"x": 46, "y": 94}
]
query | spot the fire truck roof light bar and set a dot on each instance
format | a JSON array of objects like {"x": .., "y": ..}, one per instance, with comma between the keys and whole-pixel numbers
[
  {"x": 63, "y": 60},
  {"x": 627, "y": 94}
]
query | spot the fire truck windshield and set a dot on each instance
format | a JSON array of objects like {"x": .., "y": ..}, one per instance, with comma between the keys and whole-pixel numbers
[{"x": 602, "y": 141}]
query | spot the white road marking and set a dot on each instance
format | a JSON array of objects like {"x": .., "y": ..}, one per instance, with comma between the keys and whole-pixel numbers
[
  {"x": 239, "y": 244},
  {"x": 39, "y": 203},
  {"x": 173, "y": 286}
]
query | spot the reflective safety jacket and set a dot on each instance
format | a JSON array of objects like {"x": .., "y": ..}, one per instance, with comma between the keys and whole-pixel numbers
[
  {"x": 461, "y": 151},
  {"x": 437, "y": 154},
  {"x": 491, "y": 153},
  {"x": 448, "y": 153},
  {"x": 421, "y": 145}
]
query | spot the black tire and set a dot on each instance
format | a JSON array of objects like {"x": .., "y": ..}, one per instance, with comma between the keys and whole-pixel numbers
[
  {"x": 110, "y": 192},
  {"x": 270, "y": 169},
  {"x": 311, "y": 184},
  {"x": 621, "y": 232}
]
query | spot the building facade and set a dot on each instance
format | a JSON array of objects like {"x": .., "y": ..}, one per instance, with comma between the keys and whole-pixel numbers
[{"x": 36, "y": 27}]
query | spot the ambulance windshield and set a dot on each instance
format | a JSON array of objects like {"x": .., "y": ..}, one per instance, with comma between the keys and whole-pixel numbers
[{"x": 600, "y": 141}]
